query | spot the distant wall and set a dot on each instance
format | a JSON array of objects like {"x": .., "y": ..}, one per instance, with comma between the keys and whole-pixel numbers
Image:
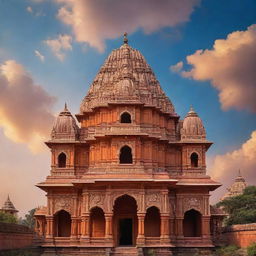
[
  {"x": 240, "y": 235},
  {"x": 14, "y": 236}
]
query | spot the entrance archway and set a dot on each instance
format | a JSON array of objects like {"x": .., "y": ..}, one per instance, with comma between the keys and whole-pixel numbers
[
  {"x": 152, "y": 222},
  {"x": 62, "y": 223},
  {"x": 97, "y": 222},
  {"x": 125, "y": 221},
  {"x": 125, "y": 156},
  {"x": 192, "y": 223}
]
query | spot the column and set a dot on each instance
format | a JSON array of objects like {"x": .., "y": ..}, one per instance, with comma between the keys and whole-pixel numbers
[
  {"x": 49, "y": 227},
  {"x": 141, "y": 236},
  {"x": 74, "y": 221},
  {"x": 206, "y": 226},
  {"x": 165, "y": 229},
  {"x": 85, "y": 232},
  {"x": 179, "y": 227},
  {"x": 109, "y": 227}
]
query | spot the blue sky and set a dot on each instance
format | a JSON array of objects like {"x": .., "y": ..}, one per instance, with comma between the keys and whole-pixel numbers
[{"x": 26, "y": 25}]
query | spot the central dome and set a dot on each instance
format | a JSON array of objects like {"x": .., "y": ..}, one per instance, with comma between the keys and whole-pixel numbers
[{"x": 126, "y": 78}]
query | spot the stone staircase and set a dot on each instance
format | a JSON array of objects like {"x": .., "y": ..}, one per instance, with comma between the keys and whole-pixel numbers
[{"x": 125, "y": 251}]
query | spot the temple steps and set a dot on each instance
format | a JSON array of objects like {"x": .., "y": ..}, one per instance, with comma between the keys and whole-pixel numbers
[{"x": 125, "y": 251}]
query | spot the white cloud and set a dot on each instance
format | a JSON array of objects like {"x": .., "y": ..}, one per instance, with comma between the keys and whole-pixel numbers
[
  {"x": 224, "y": 168},
  {"x": 94, "y": 21},
  {"x": 39, "y": 55},
  {"x": 230, "y": 67},
  {"x": 177, "y": 67},
  {"x": 25, "y": 108},
  {"x": 29, "y": 9},
  {"x": 60, "y": 45}
]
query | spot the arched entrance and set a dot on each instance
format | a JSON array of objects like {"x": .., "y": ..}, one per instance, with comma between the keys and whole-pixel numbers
[
  {"x": 125, "y": 221},
  {"x": 125, "y": 156},
  {"x": 152, "y": 222},
  {"x": 192, "y": 223},
  {"x": 97, "y": 222},
  {"x": 62, "y": 223}
]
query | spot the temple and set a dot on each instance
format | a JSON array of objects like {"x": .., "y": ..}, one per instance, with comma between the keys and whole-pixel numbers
[
  {"x": 8, "y": 207},
  {"x": 237, "y": 188},
  {"x": 131, "y": 178}
]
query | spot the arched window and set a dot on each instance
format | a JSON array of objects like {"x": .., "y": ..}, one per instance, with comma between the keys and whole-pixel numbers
[
  {"x": 192, "y": 223},
  {"x": 194, "y": 159},
  {"x": 125, "y": 155},
  {"x": 62, "y": 223},
  {"x": 152, "y": 222},
  {"x": 126, "y": 118},
  {"x": 97, "y": 222},
  {"x": 62, "y": 160}
]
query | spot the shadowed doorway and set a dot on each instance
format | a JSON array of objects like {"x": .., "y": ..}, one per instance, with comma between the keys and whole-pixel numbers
[{"x": 125, "y": 221}]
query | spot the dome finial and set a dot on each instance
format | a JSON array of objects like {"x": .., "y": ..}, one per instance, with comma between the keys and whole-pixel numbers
[
  {"x": 239, "y": 172},
  {"x": 125, "y": 38},
  {"x": 65, "y": 107}
]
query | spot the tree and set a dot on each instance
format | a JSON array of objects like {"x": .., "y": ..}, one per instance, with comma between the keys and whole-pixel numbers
[
  {"x": 29, "y": 220},
  {"x": 242, "y": 208},
  {"x": 7, "y": 218}
]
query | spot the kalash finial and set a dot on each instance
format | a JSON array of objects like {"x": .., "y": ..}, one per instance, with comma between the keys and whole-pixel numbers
[
  {"x": 125, "y": 38},
  {"x": 65, "y": 107}
]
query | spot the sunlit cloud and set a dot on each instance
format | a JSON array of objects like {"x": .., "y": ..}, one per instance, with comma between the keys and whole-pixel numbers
[
  {"x": 29, "y": 9},
  {"x": 95, "y": 21},
  {"x": 25, "y": 107},
  {"x": 230, "y": 67},
  {"x": 60, "y": 45},
  {"x": 177, "y": 67}
]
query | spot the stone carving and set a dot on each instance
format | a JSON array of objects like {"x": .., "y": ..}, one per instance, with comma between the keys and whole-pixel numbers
[
  {"x": 96, "y": 199},
  {"x": 153, "y": 199},
  {"x": 63, "y": 203},
  {"x": 192, "y": 203}
]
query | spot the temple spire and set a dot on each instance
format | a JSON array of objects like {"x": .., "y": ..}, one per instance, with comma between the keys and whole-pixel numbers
[
  {"x": 65, "y": 107},
  {"x": 125, "y": 38}
]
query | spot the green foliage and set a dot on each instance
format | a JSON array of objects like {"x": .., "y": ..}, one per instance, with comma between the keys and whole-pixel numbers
[
  {"x": 230, "y": 250},
  {"x": 242, "y": 208},
  {"x": 251, "y": 250},
  {"x": 7, "y": 218},
  {"x": 29, "y": 220}
]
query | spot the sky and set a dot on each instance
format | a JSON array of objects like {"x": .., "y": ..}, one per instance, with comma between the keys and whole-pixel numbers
[{"x": 202, "y": 52}]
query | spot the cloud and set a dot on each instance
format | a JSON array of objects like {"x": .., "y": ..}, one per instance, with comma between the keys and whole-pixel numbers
[
  {"x": 60, "y": 45},
  {"x": 39, "y": 55},
  {"x": 230, "y": 67},
  {"x": 224, "y": 168},
  {"x": 94, "y": 21},
  {"x": 29, "y": 9},
  {"x": 177, "y": 67},
  {"x": 25, "y": 108}
]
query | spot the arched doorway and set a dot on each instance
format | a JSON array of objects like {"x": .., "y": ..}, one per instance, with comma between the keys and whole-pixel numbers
[
  {"x": 97, "y": 222},
  {"x": 152, "y": 222},
  {"x": 62, "y": 223},
  {"x": 192, "y": 223},
  {"x": 194, "y": 159},
  {"x": 125, "y": 221},
  {"x": 125, "y": 156},
  {"x": 126, "y": 118},
  {"x": 62, "y": 160}
]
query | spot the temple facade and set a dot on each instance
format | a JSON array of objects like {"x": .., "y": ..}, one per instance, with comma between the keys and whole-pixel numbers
[{"x": 131, "y": 178}]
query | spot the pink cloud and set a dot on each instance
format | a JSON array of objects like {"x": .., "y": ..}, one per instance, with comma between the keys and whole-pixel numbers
[
  {"x": 94, "y": 21},
  {"x": 25, "y": 107},
  {"x": 230, "y": 67}
]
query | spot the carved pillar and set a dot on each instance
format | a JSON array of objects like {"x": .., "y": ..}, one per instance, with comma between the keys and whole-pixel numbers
[
  {"x": 74, "y": 229},
  {"x": 141, "y": 236},
  {"x": 85, "y": 233},
  {"x": 179, "y": 226},
  {"x": 109, "y": 227},
  {"x": 206, "y": 226},
  {"x": 49, "y": 227},
  {"x": 165, "y": 229}
]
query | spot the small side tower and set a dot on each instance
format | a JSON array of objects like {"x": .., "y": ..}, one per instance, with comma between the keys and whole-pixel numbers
[{"x": 8, "y": 207}]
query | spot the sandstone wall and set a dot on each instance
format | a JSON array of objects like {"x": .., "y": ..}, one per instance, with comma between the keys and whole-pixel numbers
[
  {"x": 14, "y": 236},
  {"x": 240, "y": 235}
]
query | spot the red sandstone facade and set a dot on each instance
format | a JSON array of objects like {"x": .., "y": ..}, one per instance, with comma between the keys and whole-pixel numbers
[{"x": 133, "y": 174}]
